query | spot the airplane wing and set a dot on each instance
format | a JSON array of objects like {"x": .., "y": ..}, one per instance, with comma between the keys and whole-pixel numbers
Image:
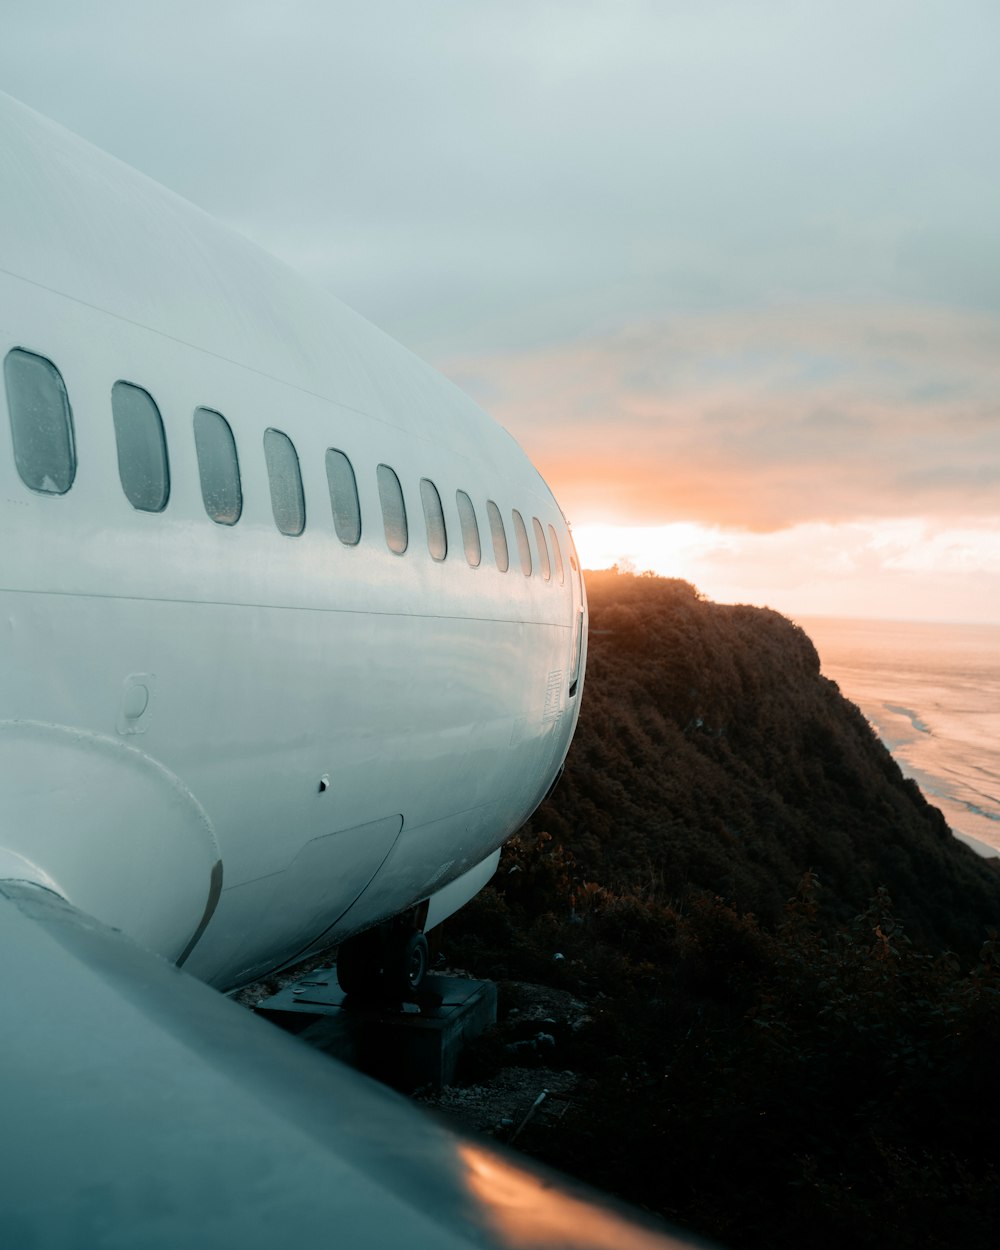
[{"x": 140, "y": 1108}]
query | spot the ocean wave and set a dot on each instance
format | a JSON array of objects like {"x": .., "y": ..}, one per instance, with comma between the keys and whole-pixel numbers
[
  {"x": 980, "y": 811},
  {"x": 912, "y": 716}
]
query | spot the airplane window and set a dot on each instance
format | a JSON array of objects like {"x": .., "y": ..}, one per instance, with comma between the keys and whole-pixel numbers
[
  {"x": 437, "y": 537},
  {"x": 543, "y": 551},
  {"x": 523, "y": 550},
  {"x": 41, "y": 423},
  {"x": 287, "y": 501},
  {"x": 218, "y": 466},
  {"x": 390, "y": 495},
  {"x": 343, "y": 497},
  {"x": 142, "y": 448},
  {"x": 470, "y": 529},
  {"x": 558, "y": 556},
  {"x": 499, "y": 535}
]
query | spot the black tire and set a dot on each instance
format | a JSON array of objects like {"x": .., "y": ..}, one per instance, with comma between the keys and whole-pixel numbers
[
  {"x": 359, "y": 964},
  {"x": 406, "y": 968}
]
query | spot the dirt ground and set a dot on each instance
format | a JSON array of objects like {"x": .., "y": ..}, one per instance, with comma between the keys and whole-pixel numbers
[
  {"x": 512, "y": 1086},
  {"x": 525, "y": 1088}
]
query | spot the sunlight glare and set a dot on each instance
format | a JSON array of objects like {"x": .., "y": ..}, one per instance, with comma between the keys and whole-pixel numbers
[
  {"x": 670, "y": 550},
  {"x": 532, "y": 1215}
]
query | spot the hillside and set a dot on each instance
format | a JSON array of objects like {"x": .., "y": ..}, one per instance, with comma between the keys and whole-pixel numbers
[
  {"x": 711, "y": 754},
  {"x": 789, "y": 980}
]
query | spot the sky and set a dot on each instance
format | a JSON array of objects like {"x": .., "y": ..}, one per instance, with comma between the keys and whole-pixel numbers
[{"x": 729, "y": 271}]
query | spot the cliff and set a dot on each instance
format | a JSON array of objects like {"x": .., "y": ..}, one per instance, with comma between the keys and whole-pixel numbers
[
  {"x": 713, "y": 755},
  {"x": 787, "y": 984}
]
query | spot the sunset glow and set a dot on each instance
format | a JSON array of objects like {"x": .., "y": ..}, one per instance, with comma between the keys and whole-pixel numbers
[
  {"x": 903, "y": 569},
  {"x": 820, "y": 460}
]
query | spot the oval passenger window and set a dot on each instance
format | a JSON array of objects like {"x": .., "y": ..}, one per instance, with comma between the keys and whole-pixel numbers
[
  {"x": 285, "y": 478},
  {"x": 142, "y": 448},
  {"x": 41, "y": 423},
  {"x": 499, "y": 536},
  {"x": 218, "y": 466},
  {"x": 437, "y": 535},
  {"x": 523, "y": 550},
  {"x": 470, "y": 528},
  {"x": 343, "y": 497},
  {"x": 390, "y": 495},
  {"x": 560, "y": 572},
  {"x": 543, "y": 551}
]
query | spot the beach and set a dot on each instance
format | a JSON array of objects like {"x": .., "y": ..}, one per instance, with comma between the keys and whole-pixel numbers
[{"x": 932, "y": 693}]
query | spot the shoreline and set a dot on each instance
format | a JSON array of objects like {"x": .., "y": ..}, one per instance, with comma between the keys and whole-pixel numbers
[
  {"x": 929, "y": 693},
  {"x": 981, "y": 848},
  {"x": 928, "y": 788}
]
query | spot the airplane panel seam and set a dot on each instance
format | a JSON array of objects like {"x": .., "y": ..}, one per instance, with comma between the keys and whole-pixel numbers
[
  {"x": 204, "y": 351},
  {"x": 284, "y": 607}
]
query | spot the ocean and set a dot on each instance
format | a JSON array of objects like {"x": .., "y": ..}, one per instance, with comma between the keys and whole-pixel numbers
[{"x": 932, "y": 692}]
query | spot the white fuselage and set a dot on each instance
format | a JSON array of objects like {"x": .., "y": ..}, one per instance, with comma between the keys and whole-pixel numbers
[{"x": 231, "y": 742}]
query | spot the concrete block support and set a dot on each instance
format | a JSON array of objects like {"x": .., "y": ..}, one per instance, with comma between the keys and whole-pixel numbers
[{"x": 406, "y": 1045}]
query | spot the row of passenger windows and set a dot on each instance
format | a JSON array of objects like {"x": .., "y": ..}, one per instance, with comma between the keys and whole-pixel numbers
[{"x": 45, "y": 455}]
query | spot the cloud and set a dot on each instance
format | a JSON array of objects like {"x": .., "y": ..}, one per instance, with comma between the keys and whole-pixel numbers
[
  {"x": 762, "y": 420},
  {"x": 508, "y": 174},
  {"x": 715, "y": 262}
]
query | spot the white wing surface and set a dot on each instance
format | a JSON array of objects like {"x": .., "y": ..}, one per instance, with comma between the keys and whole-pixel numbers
[{"x": 143, "y": 1109}]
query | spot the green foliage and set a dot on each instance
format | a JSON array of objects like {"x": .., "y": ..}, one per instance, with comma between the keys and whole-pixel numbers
[{"x": 783, "y": 1047}]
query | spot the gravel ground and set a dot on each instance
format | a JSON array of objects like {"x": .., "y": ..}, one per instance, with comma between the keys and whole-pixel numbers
[
  {"x": 507, "y": 1103},
  {"x": 527, "y": 1090},
  {"x": 527, "y": 1093}
]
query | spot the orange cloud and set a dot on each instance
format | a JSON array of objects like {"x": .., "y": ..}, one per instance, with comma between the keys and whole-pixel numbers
[{"x": 762, "y": 420}]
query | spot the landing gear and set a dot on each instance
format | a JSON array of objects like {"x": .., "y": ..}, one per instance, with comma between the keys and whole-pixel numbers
[
  {"x": 404, "y": 973},
  {"x": 388, "y": 962},
  {"x": 359, "y": 964}
]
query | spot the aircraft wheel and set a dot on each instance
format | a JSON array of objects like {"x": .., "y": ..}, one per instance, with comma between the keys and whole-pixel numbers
[
  {"x": 359, "y": 963},
  {"x": 405, "y": 975}
]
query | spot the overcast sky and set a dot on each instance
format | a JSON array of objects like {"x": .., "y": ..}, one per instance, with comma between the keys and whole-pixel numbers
[{"x": 734, "y": 265}]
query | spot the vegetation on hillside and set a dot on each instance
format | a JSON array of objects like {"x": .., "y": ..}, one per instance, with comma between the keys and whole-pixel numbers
[{"x": 793, "y": 985}]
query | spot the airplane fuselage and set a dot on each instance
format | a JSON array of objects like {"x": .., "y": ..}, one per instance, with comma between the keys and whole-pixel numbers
[{"x": 243, "y": 716}]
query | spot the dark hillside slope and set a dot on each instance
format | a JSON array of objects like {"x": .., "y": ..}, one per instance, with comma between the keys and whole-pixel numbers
[
  {"x": 713, "y": 756},
  {"x": 754, "y": 913}
]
